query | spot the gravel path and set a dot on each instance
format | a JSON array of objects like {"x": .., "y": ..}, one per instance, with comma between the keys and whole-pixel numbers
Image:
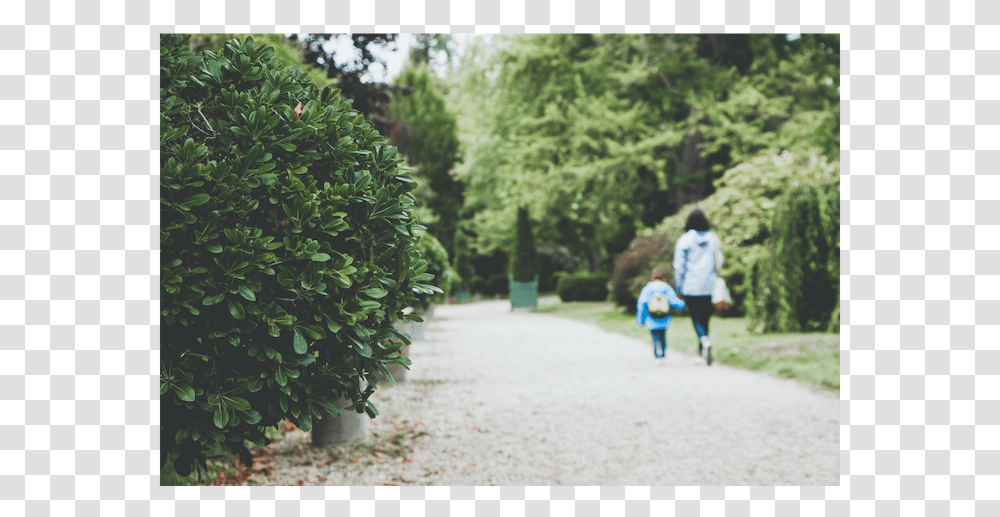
[{"x": 501, "y": 398}]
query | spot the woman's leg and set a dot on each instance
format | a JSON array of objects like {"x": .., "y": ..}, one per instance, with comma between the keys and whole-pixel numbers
[{"x": 701, "y": 309}]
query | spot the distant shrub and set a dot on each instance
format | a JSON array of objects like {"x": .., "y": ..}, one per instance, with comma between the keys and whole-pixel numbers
[
  {"x": 433, "y": 252},
  {"x": 552, "y": 262},
  {"x": 633, "y": 266},
  {"x": 492, "y": 273},
  {"x": 582, "y": 286}
]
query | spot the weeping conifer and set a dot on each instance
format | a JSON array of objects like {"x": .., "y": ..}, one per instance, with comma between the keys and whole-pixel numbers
[{"x": 796, "y": 287}]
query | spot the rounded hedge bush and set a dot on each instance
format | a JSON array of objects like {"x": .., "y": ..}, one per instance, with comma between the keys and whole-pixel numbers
[
  {"x": 582, "y": 286},
  {"x": 287, "y": 251},
  {"x": 633, "y": 266}
]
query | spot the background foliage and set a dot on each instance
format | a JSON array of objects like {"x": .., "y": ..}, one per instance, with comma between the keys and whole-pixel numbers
[
  {"x": 287, "y": 250},
  {"x": 604, "y": 136},
  {"x": 795, "y": 287},
  {"x": 426, "y": 133},
  {"x": 749, "y": 201}
]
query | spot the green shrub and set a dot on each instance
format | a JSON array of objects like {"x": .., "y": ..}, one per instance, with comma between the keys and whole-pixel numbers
[
  {"x": 553, "y": 262},
  {"x": 433, "y": 252},
  {"x": 633, "y": 266},
  {"x": 492, "y": 285},
  {"x": 287, "y": 251},
  {"x": 582, "y": 286},
  {"x": 524, "y": 266},
  {"x": 492, "y": 273}
]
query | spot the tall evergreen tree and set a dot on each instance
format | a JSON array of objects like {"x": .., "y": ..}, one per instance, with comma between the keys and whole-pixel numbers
[
  {"x": 524, "y": 266},
  {"x": 426, "y": 133}
]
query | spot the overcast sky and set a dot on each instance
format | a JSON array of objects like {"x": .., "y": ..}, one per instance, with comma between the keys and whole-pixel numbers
[{"x": 395, "y": 60}]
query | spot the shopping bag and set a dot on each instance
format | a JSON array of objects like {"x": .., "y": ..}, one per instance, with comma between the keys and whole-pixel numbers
[{"x": 720, "y": 295}]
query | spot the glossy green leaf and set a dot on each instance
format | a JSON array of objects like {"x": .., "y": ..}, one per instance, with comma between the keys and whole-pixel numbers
[
  {"x": 247, "y": 293},
  {"x": 236, "y": 309},
  {"x": 185, "y": 393},
  {"x": 220, "y": 417},
  {"x": 198, "y": 199},
  {"x": 299, "y": 343},
  {"x": 375, "y": 292}
]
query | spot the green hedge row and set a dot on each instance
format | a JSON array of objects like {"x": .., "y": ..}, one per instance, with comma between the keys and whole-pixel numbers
[{"x": 582, "y": 287}]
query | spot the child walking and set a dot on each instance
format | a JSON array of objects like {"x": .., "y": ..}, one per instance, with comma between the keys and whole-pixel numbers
[{"x": 653, "y": 310}]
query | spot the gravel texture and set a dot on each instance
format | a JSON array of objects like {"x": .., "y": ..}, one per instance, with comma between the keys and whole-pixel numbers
[{"x": 496, "y": 397}]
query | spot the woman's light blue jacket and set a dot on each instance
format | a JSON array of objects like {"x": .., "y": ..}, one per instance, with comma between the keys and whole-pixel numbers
[
  {"x": 694, "y": 263},
  {"x": 642, "y": 310}
]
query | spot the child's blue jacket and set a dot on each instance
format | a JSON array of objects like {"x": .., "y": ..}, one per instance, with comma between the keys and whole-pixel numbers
[{"x": 642, "y": 310}]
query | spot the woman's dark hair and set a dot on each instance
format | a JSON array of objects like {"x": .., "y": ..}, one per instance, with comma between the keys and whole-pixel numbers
[{"x": 697, "y": 221}]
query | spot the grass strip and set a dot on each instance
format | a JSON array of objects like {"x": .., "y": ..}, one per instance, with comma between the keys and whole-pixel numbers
[{"x": 810, "y": 358}]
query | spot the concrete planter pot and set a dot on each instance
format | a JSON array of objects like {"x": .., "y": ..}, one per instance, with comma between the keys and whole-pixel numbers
[
  {"x": 398, "y": 372},
  {"x": 416, "y": 332},
  {"x": 523, "y": 295},
  {"x": 348, "y": 429}
]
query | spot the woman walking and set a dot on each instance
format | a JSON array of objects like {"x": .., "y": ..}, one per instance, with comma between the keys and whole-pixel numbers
[{"x": 695, "y": 257}]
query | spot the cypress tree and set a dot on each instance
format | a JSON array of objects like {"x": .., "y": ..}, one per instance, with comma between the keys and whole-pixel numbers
[{"x": 524, "y": 267}]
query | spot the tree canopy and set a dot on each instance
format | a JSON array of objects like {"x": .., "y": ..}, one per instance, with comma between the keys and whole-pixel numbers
[{"x": 604, "y": 135}]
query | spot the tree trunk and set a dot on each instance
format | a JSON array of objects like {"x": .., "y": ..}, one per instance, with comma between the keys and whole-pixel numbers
[{"x": 693, "y": 175}]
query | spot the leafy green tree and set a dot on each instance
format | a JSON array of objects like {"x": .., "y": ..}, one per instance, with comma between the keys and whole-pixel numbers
[
  {"x": 426, "y": 133},
  {"x": 287, "y": 251},
  {"x": 565, "y": 144},
  {"x": 429, "y": 47},
  {"x": 602, "y": 136},
  {"x": 370, "y": 98},
  {"x": 788, "y": 99},
  {"x": 463, "y": 261}
]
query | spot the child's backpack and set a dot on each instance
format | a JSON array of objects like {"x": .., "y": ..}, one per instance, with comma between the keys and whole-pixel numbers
[{"x": 659, "y": 306}]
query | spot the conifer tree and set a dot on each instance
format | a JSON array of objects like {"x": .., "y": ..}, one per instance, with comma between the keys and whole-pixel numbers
[{"x": 524, "y": 266}]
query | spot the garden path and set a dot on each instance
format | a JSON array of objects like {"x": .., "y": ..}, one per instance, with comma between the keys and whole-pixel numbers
[{"x": 520, "y": 398}]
